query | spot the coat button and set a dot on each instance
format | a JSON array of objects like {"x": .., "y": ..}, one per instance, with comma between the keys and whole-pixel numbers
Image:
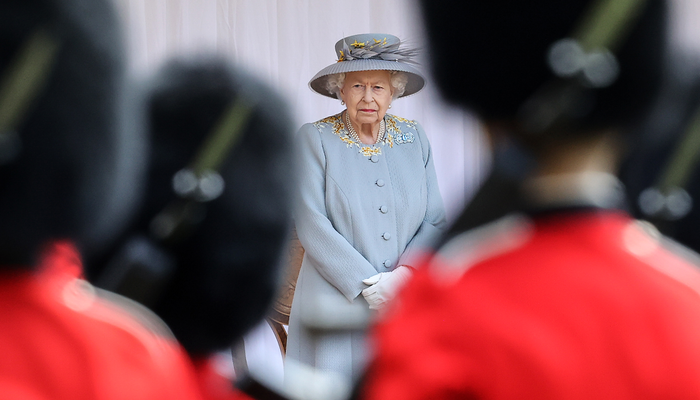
[
  {"x": 384, "y": 209},
  {"x": 374, "y": 158},
  {"x": 379, "y": 182},
  {"x": 386, "y": 235},
  {"x": 387, "y": 263}
]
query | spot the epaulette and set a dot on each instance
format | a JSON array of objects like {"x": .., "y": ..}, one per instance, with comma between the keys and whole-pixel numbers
[
  {"x": 676, "y": 261},
  {"x": 465, "y": 250}
]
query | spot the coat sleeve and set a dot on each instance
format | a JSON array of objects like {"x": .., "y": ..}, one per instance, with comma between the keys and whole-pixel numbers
[
  {"x": 332, "y": 255},
  {"x": 434, "y": 222}
]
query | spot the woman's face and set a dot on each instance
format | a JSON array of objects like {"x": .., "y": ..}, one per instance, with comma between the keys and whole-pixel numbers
[{"x": 367, "y": 96}]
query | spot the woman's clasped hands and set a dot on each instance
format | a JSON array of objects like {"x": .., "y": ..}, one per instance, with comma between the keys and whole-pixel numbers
[{"x": 384, "y": 285}]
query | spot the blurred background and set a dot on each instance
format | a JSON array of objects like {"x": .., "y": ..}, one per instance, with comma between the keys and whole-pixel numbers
[{"x": 286, "y": 42}]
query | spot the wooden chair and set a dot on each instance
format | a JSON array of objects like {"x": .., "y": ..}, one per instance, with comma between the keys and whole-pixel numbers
[{"x": 278, "y": 318}]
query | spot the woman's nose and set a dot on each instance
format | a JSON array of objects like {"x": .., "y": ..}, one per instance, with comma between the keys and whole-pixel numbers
[{"x": 368, "y": 95}]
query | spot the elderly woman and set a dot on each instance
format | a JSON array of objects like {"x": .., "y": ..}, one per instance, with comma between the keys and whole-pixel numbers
[{"x": 369, "y": 200}]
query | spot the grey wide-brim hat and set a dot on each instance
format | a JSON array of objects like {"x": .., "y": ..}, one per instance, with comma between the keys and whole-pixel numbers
[{"x": 370, "y": 52}]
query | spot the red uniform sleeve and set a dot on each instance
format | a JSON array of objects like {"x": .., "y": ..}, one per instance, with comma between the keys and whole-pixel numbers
[
  {"x": 415, "y": 356},
  {"x": 60, "y": 338},
  {"x": 215, "y": 382}
]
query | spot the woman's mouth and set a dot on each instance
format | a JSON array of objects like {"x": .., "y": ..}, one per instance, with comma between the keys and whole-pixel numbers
[{"x": 367, "y": 110}]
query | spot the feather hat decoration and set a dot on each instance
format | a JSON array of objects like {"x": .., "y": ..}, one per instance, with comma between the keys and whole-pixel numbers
[{"x": 371, "y": 52}]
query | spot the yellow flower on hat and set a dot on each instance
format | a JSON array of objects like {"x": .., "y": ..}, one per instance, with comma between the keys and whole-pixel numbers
[{"x": 357, "y": 44}]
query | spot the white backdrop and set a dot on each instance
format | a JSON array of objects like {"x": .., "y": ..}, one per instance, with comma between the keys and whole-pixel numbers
[{"x": 286, "y": 42}]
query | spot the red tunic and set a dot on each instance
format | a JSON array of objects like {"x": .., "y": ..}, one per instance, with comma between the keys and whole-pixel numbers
[
  {"x": 216, "y": 381},
  {"x": 582, "y": 306},
  {"x": 60, "y": 340}
]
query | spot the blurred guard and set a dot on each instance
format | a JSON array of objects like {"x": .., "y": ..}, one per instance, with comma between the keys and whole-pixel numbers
[
  {"x": 63, "y": 174},
  {"x": 206, "y": 249},
  {"x": 556, "y": 293}
]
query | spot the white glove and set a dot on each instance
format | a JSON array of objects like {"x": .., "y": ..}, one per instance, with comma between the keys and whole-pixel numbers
[{"x": 384, "y": 285}]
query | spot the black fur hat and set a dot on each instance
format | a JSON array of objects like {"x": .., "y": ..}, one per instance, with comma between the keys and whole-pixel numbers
[
  {"x": 215, "y": 279},
  {"x": 661, "y": 173},
  {"x": 63, "y": 161},
  {"x": 492, "y": 56},
  {"x": 500, "y": 57}
]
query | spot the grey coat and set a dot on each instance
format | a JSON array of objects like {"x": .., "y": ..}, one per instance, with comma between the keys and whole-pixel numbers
[{"x": 364, "y": 209}]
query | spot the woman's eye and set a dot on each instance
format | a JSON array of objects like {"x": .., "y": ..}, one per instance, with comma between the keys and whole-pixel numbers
[{"x": 378, "y": 87}]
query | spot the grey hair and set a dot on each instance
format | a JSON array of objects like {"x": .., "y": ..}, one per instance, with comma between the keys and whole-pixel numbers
[
  {"x": 398, "y": 82},
  {"x": 334, "y": 83},
  {"x": 399, "y": 79}
]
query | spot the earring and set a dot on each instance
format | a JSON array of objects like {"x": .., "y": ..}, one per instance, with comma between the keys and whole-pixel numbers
[
  {"x": 342, "y": 103},
  {"x": 389, "y": 105}
]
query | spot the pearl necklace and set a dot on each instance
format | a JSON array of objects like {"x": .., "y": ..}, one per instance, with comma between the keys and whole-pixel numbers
[{"x": 356, "y": 137}]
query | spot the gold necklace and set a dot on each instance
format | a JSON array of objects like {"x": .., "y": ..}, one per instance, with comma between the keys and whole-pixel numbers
[{"x": 356, "y": 137}]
